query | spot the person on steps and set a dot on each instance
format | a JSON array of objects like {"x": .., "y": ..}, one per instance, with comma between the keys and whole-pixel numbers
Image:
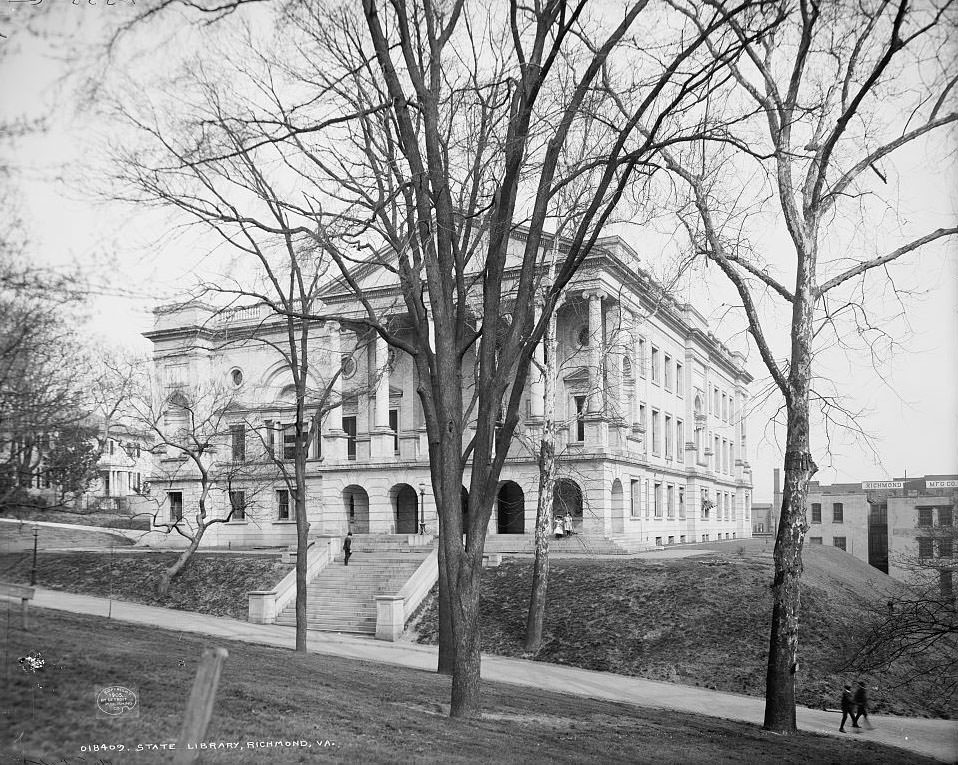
[{"x": 347, "y": 548}]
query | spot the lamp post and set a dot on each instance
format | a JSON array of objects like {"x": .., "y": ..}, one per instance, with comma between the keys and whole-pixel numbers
[
  {"x": 422, "y": 507},
  {"x": 33, "y": 571}
]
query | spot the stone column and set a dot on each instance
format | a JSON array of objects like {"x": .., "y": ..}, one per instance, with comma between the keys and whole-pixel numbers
[
  {"x": 537, "y": 384},
  {"x": 334, "y": 438},
  {"x": 596, "y": 348},
  {"x": 381, "y": 439},
  {"x": 596, "y": 425}
]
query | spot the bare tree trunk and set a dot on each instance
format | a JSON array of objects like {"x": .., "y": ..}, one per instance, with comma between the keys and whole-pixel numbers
[
  {"x": 447, "y": 649},
  {"x": 466, "y": 686},
  {"x": 535, "y": 619},
  {"x": 792, "y": 525},
  {"x": 302, "y": 547},
  {"x": 167, "y": 577}
]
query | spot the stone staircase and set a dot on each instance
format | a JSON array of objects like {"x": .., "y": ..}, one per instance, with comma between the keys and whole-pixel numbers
[
  {"x": 343, "y": 598},
  {"x": 577, "y": 544}
]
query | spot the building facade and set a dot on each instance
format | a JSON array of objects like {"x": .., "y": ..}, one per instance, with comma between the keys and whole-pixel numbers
[
  {"x": 904, "y": 527},
  {"x": 652, "y": 433}
]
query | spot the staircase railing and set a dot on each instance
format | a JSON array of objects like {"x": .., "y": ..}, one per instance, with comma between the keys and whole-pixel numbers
[
  {"x": 392, "y": 611},
  {"x": 266, "y": 605}
]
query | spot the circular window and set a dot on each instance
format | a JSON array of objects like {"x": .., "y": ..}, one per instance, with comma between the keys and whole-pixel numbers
[
  {"x": 237, "y": 377},
  {"x": 582, "y": 336},
  {"x": 349, "y": 366}
]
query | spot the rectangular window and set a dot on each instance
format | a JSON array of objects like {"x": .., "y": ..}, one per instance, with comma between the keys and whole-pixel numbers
[
  {"x": 706, "y": 504},
  {"x": 579, "y": 418},
  {"x": 670, "y": 500},
  {"x": 816, "y": 512},
  {"x": 669, "y": 381},
  {"x": 815, "y": 540},
  {"x": 655, "y": 433},
  {"x": 645, "y": 499},
  {"x": 657, "y": 497},
  {"x": 289, "y": 442},
  {"x": 668, "y": 437},
  {"x": 925, "y": 547},
  {"x": 680, "y": 440},
  {"x": 679, "y": 379},
  {"x": 716, "y": 402},
  {"x": 658, "y": 541},
  {"x": 725, "y": 407},
  {"x": 839, "y": 542},
  {"x": 838, "y": 513},
  {"x": 636, "y": 498},
  {"x": 671, "y": 540},
  {"x": 945, "y": 579},
  {"x": 945, "y": 548},
  {"x": 924, "y": 516},
  {"x": 238, "y": 438},
  {"x": 349, "y": 426},
  {"x": 238, "y": 505},
  {"x": 282, "y": 504},
  {"x": 655, "y": 365},
  {"x": 394, "y": 427},
  {"x": 682, "y": 539},
  {"x": 945, "y": 517},
  {"x": 175, "y": 498},
  {"x": 270, "y": 438},
  {"x": 716, "y": 455},
  {"x": 641, "y": 359},
  {"x": 682, "y": 503}
]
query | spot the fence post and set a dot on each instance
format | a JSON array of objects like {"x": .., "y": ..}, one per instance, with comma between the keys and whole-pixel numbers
[{"x": 199, "y": 708}]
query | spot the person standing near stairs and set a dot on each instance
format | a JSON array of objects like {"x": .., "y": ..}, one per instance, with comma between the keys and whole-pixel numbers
[{"x": 347, "y": 547}]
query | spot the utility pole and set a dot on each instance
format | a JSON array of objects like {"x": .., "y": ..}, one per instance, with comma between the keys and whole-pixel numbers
[{"x": 33, "y": 571}]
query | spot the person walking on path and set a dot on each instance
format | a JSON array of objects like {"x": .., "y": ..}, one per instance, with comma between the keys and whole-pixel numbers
[
  {"x": 557, "y": 529},
  {"x": 861, "y": 706},
  {"x": 347, "y": 548},
  {"x": 848, "y": 707},
  {"x": 567, "y": 524}
]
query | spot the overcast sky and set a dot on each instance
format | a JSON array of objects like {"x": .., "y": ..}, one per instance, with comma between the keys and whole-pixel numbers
[{"x": 134, "y": 264}]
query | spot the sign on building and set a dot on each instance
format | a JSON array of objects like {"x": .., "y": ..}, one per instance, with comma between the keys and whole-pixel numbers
[
  {"x": 951, "y": 483},
  {"x": 883, "y": 484}
]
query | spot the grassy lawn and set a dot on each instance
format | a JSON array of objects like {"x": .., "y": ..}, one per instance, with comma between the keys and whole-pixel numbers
[
  {"x": 214, "y": 584},
  {"x": 369, "y": 713},
  {"x": 698, "y": 621}
]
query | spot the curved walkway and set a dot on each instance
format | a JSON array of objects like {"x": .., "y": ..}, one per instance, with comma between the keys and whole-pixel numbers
[{"x": 934, "y": 738}]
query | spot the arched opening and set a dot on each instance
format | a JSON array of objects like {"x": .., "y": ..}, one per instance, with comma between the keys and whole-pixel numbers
[
  {"x": 356, "y": 504},
  {"x": 567, "y": 499},
  {"x": 511, "y": 511},
  {"x": 406, "y": 506},
  {"x": 618, "y": 508}
]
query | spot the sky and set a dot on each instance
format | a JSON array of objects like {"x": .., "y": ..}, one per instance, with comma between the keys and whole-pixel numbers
[{"x": 135, "y": 261}]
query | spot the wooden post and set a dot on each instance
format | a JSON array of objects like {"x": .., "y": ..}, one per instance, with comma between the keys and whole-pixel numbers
[{"x": 200, "y": 706}]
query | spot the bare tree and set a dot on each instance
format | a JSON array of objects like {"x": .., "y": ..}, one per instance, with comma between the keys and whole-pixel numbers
[
  {"x": 826, "y": 100},
  {"x": 414, "y": 139},
  {"x": 192, "y": 428}
]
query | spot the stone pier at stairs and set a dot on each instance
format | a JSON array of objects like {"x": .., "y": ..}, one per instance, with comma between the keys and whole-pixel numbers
[{"x": 343, "y": 598}]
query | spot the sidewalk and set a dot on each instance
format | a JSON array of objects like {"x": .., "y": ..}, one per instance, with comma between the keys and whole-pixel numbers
[{"x": 934, "y": 738}]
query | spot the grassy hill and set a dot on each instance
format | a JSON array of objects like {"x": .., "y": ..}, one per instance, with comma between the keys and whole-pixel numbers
[
  {"x": 213, "y": 583},
  {"x": 346, "y": 711},
  {"x": 701, "y": 620}
]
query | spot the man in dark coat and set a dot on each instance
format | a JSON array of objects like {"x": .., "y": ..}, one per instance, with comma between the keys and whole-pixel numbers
[
  {"x": 848, "y": 707},
  {"x": 347, "y": 548},
  {"x": 861, "y": 705}
]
